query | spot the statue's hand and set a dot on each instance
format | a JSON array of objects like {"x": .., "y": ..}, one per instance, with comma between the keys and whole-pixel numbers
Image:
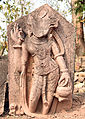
[
  {"x": 16, "y": 34},
  {"x": 64, "y": 88},
  {"x": 64, "y": 79}
]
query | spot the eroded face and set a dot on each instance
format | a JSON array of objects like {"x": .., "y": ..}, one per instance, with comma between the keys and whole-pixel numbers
[{"x": 41, "y": 21}]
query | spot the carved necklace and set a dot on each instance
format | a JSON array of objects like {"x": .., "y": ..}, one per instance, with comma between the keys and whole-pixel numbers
[{"x": 38, "y": 41}]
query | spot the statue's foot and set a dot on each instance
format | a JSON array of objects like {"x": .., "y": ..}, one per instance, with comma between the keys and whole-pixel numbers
[
  {"x": 21, "y": 111},
  {"x": 12, "y": 109}
]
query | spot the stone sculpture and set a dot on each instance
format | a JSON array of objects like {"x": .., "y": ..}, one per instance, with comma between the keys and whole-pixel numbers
[{"x": 38, "y": 69}]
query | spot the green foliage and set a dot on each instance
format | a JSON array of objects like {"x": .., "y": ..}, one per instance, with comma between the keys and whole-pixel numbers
[
  {"x": 80, "y": 9},
  {"x": 11, "y": 11},
  {"x": 1, "y": 7},
  {"x": 79, "y": 6}
]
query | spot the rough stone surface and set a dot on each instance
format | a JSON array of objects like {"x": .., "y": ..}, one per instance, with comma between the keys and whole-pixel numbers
[
  {"x": 77, "y": 111},
  {"x": 65, "y": 31},
  {"x": 79, "y": 82},
  {"x": 3, "y": 80}
]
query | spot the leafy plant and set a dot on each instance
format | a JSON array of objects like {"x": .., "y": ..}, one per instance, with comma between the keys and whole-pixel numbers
[
  {"x": 80, "y": 9},
  {"x": 11, "y": 10}
]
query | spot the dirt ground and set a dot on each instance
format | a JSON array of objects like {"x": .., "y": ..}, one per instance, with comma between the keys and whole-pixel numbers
[{"x": 76, "y": 112}]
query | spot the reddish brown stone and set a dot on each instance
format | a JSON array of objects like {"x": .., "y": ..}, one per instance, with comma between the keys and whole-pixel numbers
[{"x": 65, "y": 33}]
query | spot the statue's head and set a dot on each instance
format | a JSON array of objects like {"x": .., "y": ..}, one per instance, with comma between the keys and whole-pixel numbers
[{"x": 41, "y": 20}]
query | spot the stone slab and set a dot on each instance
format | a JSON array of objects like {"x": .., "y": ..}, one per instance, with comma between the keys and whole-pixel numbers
[{"x": 65, "y": 31}]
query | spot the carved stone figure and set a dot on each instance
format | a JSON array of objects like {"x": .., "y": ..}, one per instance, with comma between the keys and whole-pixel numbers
[{"x": 39, "y": 67}]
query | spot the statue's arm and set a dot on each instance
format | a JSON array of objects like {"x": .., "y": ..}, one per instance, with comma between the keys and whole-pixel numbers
[
  {"x": 65, "y": 77},
  {"x": 24, "y": 57},
  {"x": 59, "y": 59},
  {"x": 16, "y": 35}
]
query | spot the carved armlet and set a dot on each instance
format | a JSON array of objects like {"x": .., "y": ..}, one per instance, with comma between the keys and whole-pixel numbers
[
  {"x": 17, "y": 46},
  {"x": 57, "y": 55},
  {"x": 64, "y": 70}
]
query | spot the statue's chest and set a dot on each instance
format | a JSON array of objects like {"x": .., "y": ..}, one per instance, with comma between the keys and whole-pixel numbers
[{"x": 39, "y": 47}]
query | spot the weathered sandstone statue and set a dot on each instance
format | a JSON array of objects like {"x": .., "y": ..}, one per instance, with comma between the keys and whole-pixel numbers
[{"x": 41, "y": 62}]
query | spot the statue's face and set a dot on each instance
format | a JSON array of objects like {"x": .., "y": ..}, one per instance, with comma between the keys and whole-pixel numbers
[{"x": 41, "y": 22}]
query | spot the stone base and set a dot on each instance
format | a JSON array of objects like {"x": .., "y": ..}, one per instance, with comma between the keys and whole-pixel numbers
[{"x": 63, "y": 105}]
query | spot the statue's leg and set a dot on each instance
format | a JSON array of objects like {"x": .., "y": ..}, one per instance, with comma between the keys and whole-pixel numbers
[
  {"x": 47, "y": 106},
  {"x": 51, "y": 86},
  {"x": 35, "y": 92}
]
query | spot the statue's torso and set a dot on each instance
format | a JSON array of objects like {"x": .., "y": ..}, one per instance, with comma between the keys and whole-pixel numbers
[{"x": 41, "y": 50}]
